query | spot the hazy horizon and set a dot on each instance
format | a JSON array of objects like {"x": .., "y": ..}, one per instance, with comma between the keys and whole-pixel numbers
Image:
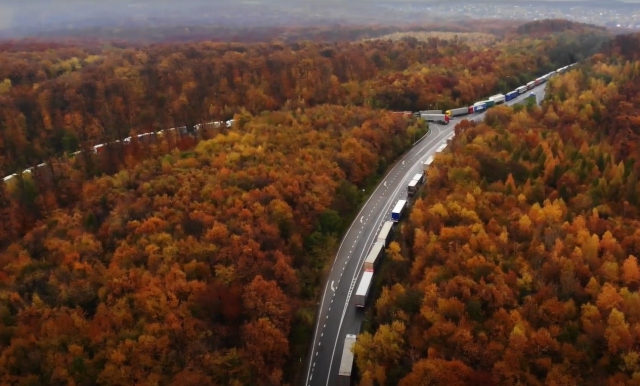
[{"x": 62, "y": 16}]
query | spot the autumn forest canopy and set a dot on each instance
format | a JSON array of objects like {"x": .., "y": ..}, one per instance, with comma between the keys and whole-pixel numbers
[
  {"x": 519, "y": 263},
  {"x": 196, "y": 257}
]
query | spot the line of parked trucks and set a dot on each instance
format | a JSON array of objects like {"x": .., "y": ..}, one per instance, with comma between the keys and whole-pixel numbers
[
  {"x": 428, "y": 115},
  {"x": 372, "y": 260},
  {"x": 384, "y": 236},
  {"x": 382, "y": 241},
  {"x": 146, "y": 138},
  {"x": 438, "y": 116}
]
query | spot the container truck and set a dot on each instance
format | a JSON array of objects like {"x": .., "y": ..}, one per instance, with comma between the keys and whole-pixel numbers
[
  {"x": 9, "y": 178},
  {"x": 511, "y": 95},
  {"x": 431, "y": 112},
  {"x": 478, "y": 107},
  {"x": 426, "y": 164},
  {"x": 363, "y": 288},
  {"x": 346, "y": 364},
  {"x": 457, "y": 112},
  {"x": 539, "y": 81},
  {"x": 437, "y": 118},
  {"x": 521, "y": 89},
  {"x": 419, "y": 177},
  {"x": 531, "y": 85},
  {"x": 412, "y": 188},
  {"x": 497, "y": 99},
  {"x": 397, "y": 210},
  {"x": 374, "y": 256},
  {"x": 488, "y": 103},
  {"x": 385, "y": 233}
]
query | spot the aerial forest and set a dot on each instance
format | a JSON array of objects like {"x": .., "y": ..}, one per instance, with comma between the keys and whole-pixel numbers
[
  {"x": 58, "y": 99},
  {"x": 197, "y": 258},
  {"x": 519, "y": 262}
]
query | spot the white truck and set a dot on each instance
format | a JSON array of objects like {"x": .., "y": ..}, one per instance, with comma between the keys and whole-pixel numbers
[
  {"x": 412, "y": 188},
  {"x": 397, "y": 210},
  {"x": 437, "y": 118},
  {"x": 427, "y": 163},
  {"x": 346, "y": 364},
  {"x": 497, "y": 99},
  {"x": 385, "y": 233},
  {"x": 374, "y": 256},
  {"x": 363, "y": 289},
  {"x": 415, "y": 183}
]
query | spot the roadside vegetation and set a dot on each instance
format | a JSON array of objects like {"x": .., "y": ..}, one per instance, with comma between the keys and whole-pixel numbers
[{"x": 519, "y": 264}]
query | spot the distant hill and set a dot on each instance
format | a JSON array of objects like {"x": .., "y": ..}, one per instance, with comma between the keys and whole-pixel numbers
[{"x": 545, "y": 27}]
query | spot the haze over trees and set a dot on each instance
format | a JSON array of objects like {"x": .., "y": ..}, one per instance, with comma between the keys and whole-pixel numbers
[
  {"x": 230, "y": 20},
  {"x": 196, "y": 258},
  {"x": 519, "y": 263},
  {"x": 58, "y": 99}
]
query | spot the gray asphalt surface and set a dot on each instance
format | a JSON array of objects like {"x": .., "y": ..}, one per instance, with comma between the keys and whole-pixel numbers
[{"x": 338, "y": 315}]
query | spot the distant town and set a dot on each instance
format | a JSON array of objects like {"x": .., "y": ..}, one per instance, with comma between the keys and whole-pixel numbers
[{"x": 613, "y": 14}]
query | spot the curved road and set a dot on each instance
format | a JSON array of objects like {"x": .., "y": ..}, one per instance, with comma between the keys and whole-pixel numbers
[{"x": 338, "y": 315}]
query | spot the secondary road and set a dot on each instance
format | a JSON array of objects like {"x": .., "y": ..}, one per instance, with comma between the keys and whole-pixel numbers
[{"x": 338, "y": 315}]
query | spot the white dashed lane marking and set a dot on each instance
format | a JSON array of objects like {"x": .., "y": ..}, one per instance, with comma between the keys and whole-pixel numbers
[{"x": 346, "y": 262}]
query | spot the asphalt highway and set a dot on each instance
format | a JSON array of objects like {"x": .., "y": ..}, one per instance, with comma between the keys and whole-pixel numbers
[{"x": 338, "y": 315}]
